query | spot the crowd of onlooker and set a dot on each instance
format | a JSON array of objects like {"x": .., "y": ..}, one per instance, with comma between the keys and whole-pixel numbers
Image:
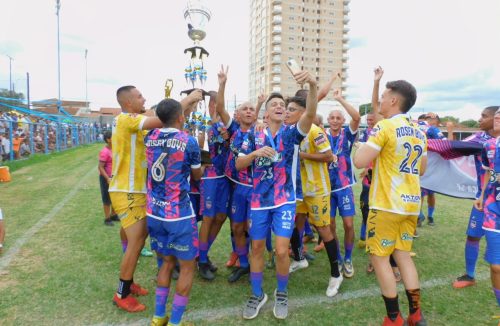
[{"x": 22, "y": 135}]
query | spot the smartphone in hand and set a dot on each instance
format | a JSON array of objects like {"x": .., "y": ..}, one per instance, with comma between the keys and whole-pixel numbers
[
  {"x": 293, "y": 66},
  {"x": 205, "y": 157}
]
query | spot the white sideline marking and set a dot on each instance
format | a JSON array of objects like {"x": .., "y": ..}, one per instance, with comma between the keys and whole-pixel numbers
[
  {"x": 236, "y": 311},
  {"x": 6, "y": 259}
]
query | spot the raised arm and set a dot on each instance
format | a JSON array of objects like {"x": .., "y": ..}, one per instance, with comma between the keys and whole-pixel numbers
[
  {"x": 355, "y": 117},
  {"x": 220, "y": 106},
  {"x": 308, "y": 117},
  {"x": 323, "y": 92},
  {"x": 260, "y": 100},
  {"x": 378, "y": 73}
]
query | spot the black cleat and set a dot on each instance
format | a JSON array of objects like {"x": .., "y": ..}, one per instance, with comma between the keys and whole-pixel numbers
[
  {"x": 205, "y": 272},
  {"x": 237, "y": 273}
]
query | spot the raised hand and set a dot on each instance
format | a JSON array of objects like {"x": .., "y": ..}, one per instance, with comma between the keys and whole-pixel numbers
[
  {"x": 262, "y": 98},
  {"x": 222, "y": 75},
  {"x": 337, "y": 94},
  {"x": 379, "y": 72},
  {"x": 265, "y": 151},
  {"x": 304, "y": 77}
]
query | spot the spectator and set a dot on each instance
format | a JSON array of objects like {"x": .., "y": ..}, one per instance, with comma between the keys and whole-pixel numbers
[
  {"x": 5, "y": 143},
  {"x": 105, "y": 163},
  {"x": 16, "y": 145},
  {"x": 25, "y": 148}
]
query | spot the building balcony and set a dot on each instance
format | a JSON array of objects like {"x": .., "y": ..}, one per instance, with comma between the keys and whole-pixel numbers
[
  {"x": 276, "y": 30},
  {"x": 276, "y": 40},
  {"x": 275, "y": 82},
  {"x": 345, "y": 67},
  {"x": 346, "y": 10},
  {"x": 346, "y": 2},
  {"x": 277, "y": 20},
  {"x": 276, "y": 2},
  {"x": 346, "y": 29},
  {"x": 346, "y": 19},
  {"x": 276, "y": 10},
  {"x": 345, "y": 57},
  {"x": 345, "y": 39}
]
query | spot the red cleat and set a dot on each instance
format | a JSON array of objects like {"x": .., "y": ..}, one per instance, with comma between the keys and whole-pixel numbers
[
  {"x": 136, "y": 289},
  {"x": 464, "y": 281},
  {"x": 398, "y": 322},
  {"x": 129, "y": 304},
  {"x": 233, "y": 258},
  {"x": 416, "y": 319}
]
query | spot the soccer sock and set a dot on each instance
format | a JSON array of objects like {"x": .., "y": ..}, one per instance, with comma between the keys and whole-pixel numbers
[
  {"x": 392, "y": 307},
  {"x": 421, "y": 216},
  {"x": 413, "y": 300},
  {"x": 124, "y": 288},
  {"x": 301, "y": 244},
  {"x": 178, "y": 306},
  {"x": 471, "y": 254},
  {"x": 497, "y": 295},
  {"x": 348, "y": 250},
  {"x": 362, "y": 231},
  {"x": 339, "y": 254},
  {"x": 332, "y": 257},
  {"x": 161, "y": 301},
  {"x": 282, "y": 282},
  {"x": 295, "y": 243},
  {"x": 430, "y": 212},
  {"x": 211, "y": 240},
  {"x": 159, "y": 261},
  {"x": 242, "y": 255},
  {"x": 233, "y": 244},
  {"x": 269, "y": 241},
  {"x": 256, "y": 281},
  {"x": 307, "y": 229},
  {"x": 203, "y": 252},
  {"x": 124, "y": 245},
  {"x": 392, "y": 261}
]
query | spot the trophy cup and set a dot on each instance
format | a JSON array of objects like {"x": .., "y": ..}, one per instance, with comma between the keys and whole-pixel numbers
[
  {"x": 169, "y": 84},
  {"x": 197, "y": 16}
]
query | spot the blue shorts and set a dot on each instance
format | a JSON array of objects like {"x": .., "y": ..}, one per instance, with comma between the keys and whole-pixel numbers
[
  {"x": 492, "y": 253},
  {"x": 280, "y": 219},
  {"x": 195, "y": 202},
  {"x": 475, "y": 227},
  {"x": 240, "y": 205},
  {"x": 344, "y": 201},
  {"x": 175, "y": 238},
  {"x": 425, "y": 192},
  {"x": 214, "y": 196}
]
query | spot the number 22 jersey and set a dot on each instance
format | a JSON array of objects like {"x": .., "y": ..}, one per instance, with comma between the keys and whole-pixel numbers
[{"x": 396, "y": 171}]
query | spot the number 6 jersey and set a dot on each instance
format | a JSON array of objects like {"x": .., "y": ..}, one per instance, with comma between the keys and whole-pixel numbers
[
  {"x": 171, "y": 154},
  {"x": 396, "y": 171}
]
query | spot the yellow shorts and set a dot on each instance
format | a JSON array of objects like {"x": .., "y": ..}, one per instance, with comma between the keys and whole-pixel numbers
[
  {"x": 129, "y": 207},
  {"x": 388, "y": 231},
  {"x": 318, "y": 209}
]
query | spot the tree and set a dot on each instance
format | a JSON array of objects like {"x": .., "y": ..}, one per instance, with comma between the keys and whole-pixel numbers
[
  {"x": 11, "y": 94},
  {"x": 365, "y": 108},
  {"x": 449, "y": 118},
  {"x": 470, "y": 123}
]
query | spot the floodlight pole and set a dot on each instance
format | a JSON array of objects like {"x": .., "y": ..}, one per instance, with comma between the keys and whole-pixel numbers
[{"x": 58, "y": 6}]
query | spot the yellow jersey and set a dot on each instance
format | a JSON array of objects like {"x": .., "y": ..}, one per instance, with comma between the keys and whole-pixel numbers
[
  {"x": 129, "y": 154},
  {"x": 395, "y": 183},
  {"x": 314, "y": 175}
]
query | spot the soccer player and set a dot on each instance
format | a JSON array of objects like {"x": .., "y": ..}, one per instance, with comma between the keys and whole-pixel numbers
[
  {"x": 173, "y": 157},
  {"x": 273, "y": 156},
  {"x": 128, "y": 186},
  {"x": 105, "y": 172},
  {"x": 474, "y": 230},
  {"x": 489, "y": 203},
  {"x": 315, "y": 154},
  {"x": 398, "y": 150},
  {"x": 342, "y": 176}
]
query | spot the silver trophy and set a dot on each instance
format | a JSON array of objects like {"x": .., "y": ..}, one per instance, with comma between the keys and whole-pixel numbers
[{"x": 197, "y": 16}]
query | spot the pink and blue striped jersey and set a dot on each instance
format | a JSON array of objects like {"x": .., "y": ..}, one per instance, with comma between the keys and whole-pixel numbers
[
  {"x": 219, "y": 150},
  {"x": 434, "y": 133},
  {"x": 244, "y": 176},
  {"x": 274, "y": 181},
  {"x": 491, "y": 162},
  {"x": 341, "y": 171},
  {"x": 480, "y": 138},
  {"x": 171, "y": 154},
  {"x": 363, "y": 139}
]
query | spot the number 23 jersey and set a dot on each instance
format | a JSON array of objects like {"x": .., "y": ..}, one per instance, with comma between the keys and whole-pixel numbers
[{"x": 396, "y": 171}]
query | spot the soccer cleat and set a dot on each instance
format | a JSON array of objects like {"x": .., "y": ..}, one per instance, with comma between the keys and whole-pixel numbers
[
  {"x": 361, "y": 244},
  {"x": 145, "y": 252},
  {"x": 182, "y": 323},
  {"x": 205, "y": 272},
  {"x": 296, "y": 265},
  {"x": 253, "y": 306},
  {"x": 319, "y": 247},
  {"x": 238, "y": 273},
  {"x": 108, "y": 222},
  {"x": 398, "y": 322},
  {"x": 270, "y": 264},
  {"x": 333, "y": 286},
  {"x": 114, "y": 218},
  {"x": 431, "y": 223},
  {"x": 159, "y": 321},
  {"x": 136, "y": 289},
  {"x": 232, "y": 259},
  {"x": 129, "y": 304},
  {"x": 213, "y": 267},
  {"x": 308, "y": 256},
  {"x": 348, "y": 269},
  {"x": 464, "y": 281},
  {"x": 416, "y": 319},
  {"x": 280, "y": 309}
]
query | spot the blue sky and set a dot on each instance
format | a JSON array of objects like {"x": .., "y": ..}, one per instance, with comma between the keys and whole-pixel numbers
[{"x": 449, "y": 49}]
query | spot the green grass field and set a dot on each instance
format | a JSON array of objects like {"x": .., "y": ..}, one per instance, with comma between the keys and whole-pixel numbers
[{"x": 66, "y": 272}]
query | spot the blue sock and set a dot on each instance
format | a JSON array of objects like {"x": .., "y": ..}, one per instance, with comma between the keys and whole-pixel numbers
[
  {"x": 430, "y": 212},
  {"x": 362, "y": 232},
  {"x": 210, "y": 242},
  {"x": 124, "y": 245},
  {"x": 159, "y": 261},
  {"x": 203, "y": 252},
  {"x": 497, "y": 295},
  {"x": 348, "y": 250},
  {"x": 161, "y": 301},
  {"x": 307, "y": 229},
  {"x": 471, "y": 254},
  {"x": 256, "y": 281},
  {"x": 282, "y": 282},
  {"x": 269, "y": 241},
  {"x": 339, "y": 254},
  {"x": 178, "y": 306},
  {"x": 233, "y": 244},
  {"x": 421, "y": 216},
  {"x": 243, "y": 256}
]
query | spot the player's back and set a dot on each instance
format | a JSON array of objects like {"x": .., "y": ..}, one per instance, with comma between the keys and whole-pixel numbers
[
  {"x": 314, "y": 174},
  {"x": 396, "y": 172}
]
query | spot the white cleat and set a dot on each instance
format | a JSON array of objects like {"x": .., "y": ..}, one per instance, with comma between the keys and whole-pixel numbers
[
  {"x": 333, "y": 286},
  {"x": 296, "y": 265}
]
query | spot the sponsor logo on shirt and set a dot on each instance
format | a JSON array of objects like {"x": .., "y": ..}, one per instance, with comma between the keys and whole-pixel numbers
[
  {"x": 387, "y": 243},
  {"x": 410, "y": 198}
]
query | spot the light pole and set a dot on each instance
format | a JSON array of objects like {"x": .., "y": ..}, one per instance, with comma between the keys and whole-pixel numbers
[
  {"x": 10, "y": 72},
  {"x": 58, "y": 6},
  {"x": 86, "y": 82}
]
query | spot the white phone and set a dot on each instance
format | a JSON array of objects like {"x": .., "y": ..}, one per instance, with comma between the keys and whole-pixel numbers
[{"x": 293, "y": 66}]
